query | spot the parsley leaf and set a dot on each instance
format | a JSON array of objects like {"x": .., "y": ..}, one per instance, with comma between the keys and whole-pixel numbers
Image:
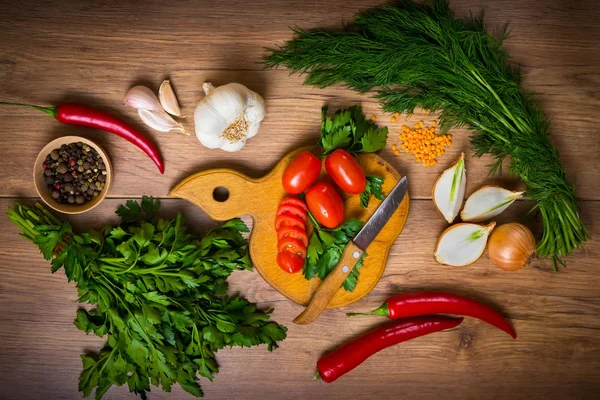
[
  {"x": 350, "y": 129},
  {"x": 133, "y": 211},
  {"x": 373, "y": 188},
  {"x": 374, "y": 140},
  {"x": 325, "y": 250}
]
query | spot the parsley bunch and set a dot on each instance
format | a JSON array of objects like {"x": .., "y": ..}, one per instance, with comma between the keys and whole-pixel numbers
[{"x": 159, "y": 295}]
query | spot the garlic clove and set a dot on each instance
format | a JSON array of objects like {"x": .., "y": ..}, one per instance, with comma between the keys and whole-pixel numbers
[
  {"x": 160, "y": 121},
  {"x": 449, "y": 189},
  {"x": 462, "y": 244},
  {"x": 141, "y": 97},
  {"x": 255, "y": 113},
  {"x": 488, "y": 202},
  {"x": 168, "y": 100}
]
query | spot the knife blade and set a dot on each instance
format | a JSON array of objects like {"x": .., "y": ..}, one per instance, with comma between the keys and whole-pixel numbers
[
  {"x": 352, "y": 253},
  {"x": 375, "y": 224}
]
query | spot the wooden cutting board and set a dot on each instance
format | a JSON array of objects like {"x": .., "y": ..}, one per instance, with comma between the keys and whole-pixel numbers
[{"x": 260, "y": 198}]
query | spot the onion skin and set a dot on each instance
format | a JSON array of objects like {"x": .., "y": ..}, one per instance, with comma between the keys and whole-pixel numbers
[{"x": 511, "y": 246}]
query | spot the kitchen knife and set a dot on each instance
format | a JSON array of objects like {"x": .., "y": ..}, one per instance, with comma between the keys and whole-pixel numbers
[{"x": 352, "y": 253}]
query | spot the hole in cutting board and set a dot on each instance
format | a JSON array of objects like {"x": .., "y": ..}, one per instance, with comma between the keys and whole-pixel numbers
[{"x": 220, "y": 194}]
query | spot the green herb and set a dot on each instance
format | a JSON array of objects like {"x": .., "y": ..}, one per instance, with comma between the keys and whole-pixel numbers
[
  {"x": 419, "y": 55},
  {"x": 373, "y": 188},
  {"x": 158, "y": 292},
  {"x": 350, "y": 129},
  {"x": 325, "y": 250}
]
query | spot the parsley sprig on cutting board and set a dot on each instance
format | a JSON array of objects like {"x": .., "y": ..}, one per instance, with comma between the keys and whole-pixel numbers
[
  {"x": 350, "y": 129},
  {"x": 325, "y": 250},
  {"x": 159, "y": 295},
  {"x": 347, "y": 129}
]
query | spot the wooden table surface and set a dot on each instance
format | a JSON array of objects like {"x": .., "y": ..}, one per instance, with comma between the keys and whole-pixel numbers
[{"x": 92, "y": 52}]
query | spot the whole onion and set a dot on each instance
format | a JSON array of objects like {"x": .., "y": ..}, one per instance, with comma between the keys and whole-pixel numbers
[{"x": 511, "y": 246}]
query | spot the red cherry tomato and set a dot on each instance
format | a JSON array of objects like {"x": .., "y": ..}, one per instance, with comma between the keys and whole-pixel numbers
[
  {"x": 290, "y": 262},
  {"x": 295, "y": 201},
  {"x": 292, "y": 209},
  {"x": 301, "y": 173},
  {"x": 325, "y": 203},
  {"x": 288, "y": 220},
  {"x": 293, "y": 231},
  {"x": 292, "y": 244},
  {"x": 345, "y": 172}
]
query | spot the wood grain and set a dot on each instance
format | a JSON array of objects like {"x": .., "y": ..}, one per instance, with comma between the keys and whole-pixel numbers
[
  {"x": 556, "y": 355},
  {"x": 86, "y": 51},
  {"x": 93, "y": 52},
  {"x": 259, "y": 198}
]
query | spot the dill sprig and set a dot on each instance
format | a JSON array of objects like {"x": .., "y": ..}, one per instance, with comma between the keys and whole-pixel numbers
[{"x": 419, "y": 55}]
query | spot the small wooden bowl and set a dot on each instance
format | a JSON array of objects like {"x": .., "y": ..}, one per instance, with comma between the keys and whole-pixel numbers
[{"x": 42, "y": 189}]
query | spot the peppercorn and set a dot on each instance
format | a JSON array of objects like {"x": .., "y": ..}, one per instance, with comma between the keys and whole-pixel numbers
[{"x": 64, "y": 169}]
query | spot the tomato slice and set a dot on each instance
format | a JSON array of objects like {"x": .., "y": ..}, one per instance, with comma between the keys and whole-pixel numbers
[
  {"x": 295, "y": 232},
  {"x": 292, "y": 209},
  {"x": 295, "y": 201},
  {"x": 286, "y": 219},
  {"x": 290, "y": 262},
  {"x": 292, "y": 244}
]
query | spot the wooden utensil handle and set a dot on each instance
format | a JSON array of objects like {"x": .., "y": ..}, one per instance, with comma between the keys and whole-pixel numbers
[
  {"x": 221, "y": 193},
  {"x": 330, "y": 285}
]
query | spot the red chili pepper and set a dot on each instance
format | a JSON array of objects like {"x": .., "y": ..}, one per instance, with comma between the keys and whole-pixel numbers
[
  {"x": 426, "y": 303},
  {"x": 353, "y": 353},
  {"x": 79, "y": 114}
]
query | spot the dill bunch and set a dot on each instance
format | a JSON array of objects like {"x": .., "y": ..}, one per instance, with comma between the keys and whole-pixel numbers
[{"x": 419, "y": 55}]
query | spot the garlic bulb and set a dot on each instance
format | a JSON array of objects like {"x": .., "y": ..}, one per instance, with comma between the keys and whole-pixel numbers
[
  {"x": 228, "y": 116},
  {"x": 449, "y": 189},
  {"x": 462, "y": 244},
  {"x": 488, "y": 202}
]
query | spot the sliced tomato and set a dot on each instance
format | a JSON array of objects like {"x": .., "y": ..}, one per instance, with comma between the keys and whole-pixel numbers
[
  {"x": 295, "y": 201},
  {"x": 286, "y": 219},
  {"x": 293, "y": 231},
  {"x": 292, "y": 244},
  {"x": 290, "y": 262},
  {"x": 292, "y": 209}
]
